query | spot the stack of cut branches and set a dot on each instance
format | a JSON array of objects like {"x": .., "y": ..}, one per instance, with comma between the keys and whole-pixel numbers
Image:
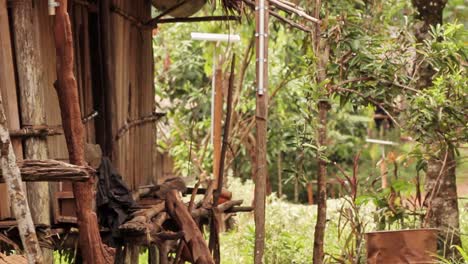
[{"x": 175, "y": 226}]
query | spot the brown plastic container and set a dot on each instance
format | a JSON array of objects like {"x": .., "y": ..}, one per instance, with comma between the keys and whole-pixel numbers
[{"x": 402, "y": 247}]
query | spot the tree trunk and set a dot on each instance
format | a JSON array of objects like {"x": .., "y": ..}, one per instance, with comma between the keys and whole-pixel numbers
[
  {"x": 322, "y": 52},
  {"x": 310, "y": 193},
  {"x": 280, "y": 175},
  {"x": 440, "y": 186},
  {"x": 92, "y": 248},
  {"x": 319, "y": 233},
  {"x": 442, "y": 204},
  {"x": 18, "y": 200},
  {"x": 296, "y": 188},
  {"x": 32, "y": 108},
  {"x": 217, "y": 122}
]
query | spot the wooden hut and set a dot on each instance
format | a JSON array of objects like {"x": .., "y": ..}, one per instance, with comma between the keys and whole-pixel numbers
[
  {"x": 112, "y": 56},
  {"x": 114, "y": 71}
]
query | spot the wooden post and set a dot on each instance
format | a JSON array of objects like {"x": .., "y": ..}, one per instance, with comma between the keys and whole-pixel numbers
[
  {"x": 92, "y": 248},
  {"x": 109, "y": 101},
  {"x": 31, "y": 106},
  {"x": 18, "y": 200},
  {"x": 217, "y": 121},
  {"x": 261, "y": 116},
  {"x": 153, "y": 257}
]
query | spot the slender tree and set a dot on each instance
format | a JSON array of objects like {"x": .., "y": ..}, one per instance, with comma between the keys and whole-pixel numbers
[{"x": 321, "y": 50}]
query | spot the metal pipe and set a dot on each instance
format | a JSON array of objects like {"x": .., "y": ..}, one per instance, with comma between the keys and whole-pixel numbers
[
  {"x": 261, "y": 44},
  {"x": 52, "y": 4}
]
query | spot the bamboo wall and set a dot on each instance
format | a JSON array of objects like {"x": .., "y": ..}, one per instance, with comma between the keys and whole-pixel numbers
[{"x": 135, "y": 153}]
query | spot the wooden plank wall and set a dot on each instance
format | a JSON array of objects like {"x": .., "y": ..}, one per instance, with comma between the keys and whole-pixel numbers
[
  {"x": 135, "y": 153},
  {"x": 9, "y": 96},
  {"x": 132, "y": 52},
  {"x": 133, "y": 61}
]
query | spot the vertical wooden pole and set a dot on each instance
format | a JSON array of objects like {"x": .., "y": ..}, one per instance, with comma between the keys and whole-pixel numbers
[
  {"x": 261, "y": 116},
  {"x": 217, "y": 121},
  {"x": 109, "y": 100},
  {"x": 153, "y": 254},
  {"x": 11, "y": 174},
  {"x": 32, "y": 107},
  {"x": 92, "y": 248}
]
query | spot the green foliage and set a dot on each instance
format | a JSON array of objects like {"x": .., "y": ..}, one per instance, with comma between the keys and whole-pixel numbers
[
  {"x": 438, "y": 113},
  {"x": 463, "y": 257}
]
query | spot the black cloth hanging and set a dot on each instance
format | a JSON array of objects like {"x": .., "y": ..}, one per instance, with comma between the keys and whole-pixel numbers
[{"x": 114, "y": 199}]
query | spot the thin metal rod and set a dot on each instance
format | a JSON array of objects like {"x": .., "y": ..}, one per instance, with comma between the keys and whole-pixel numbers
[{"x": 261, "y": 45}]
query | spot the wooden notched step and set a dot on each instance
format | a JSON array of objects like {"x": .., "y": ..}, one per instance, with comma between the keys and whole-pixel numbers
[{"x": 51, "y": 170}]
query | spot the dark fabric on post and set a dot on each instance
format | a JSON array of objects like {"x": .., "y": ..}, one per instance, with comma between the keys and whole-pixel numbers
[{"x": 114, "y": 199}]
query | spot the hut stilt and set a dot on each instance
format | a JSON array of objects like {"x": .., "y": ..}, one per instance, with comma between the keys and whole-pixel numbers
[
  {"x": 92, "y": 248},
  {"x": 32, "y": 110}
]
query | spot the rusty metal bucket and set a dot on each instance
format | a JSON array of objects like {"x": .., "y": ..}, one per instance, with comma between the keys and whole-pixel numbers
[{"x": 402, "y": 247}]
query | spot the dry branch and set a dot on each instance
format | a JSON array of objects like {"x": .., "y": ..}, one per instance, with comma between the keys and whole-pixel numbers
[
  {"x": 92, "y": 248},
  {"x": 281, "y": 18},
  {"x": 17, "y": 195},
  {"x": 290, "y": 9},
  {"x": 51, "y": 170},
  {"x": 140, "y": 121},
  {"x": 192, "y": 234}
]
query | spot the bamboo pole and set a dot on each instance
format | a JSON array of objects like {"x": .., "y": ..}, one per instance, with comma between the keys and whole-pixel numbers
[
  {"x": 18, "y": 200},
  {"x": 92, "y": 248},
  {"x": 31, "y": 106},
  {"x": 261, "y": 116}
]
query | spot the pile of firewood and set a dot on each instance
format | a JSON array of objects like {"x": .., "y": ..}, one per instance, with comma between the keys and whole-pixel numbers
[{"x": 175, "y": 226}]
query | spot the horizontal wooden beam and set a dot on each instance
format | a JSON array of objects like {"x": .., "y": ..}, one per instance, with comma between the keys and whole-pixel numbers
[
  {"x": 52, "y": 171},
  {"x": 36, "y": 131}
]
